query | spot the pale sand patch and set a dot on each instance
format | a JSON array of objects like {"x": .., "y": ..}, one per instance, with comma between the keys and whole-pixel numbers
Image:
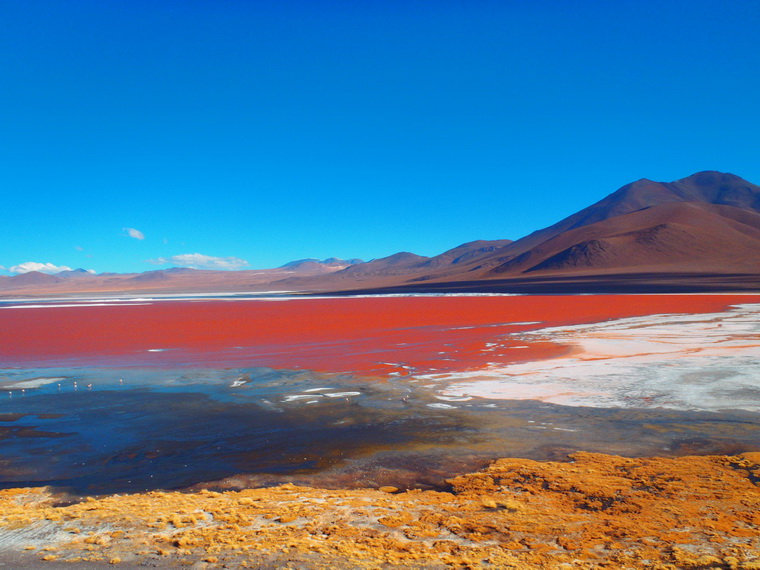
[{"x": 684, "y": 361}]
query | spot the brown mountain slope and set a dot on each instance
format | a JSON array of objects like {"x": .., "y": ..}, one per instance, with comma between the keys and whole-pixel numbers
[
  {"x": 396, "y": 264},
  {"x": 396, "y": 268},
  {"x": 385, "y": 271},
  {"x": 708, "y": 187},
  {"x": 712, "y": 234},
  {"x": 466, "y": 253},
  {"x": 672, "y": 236}
]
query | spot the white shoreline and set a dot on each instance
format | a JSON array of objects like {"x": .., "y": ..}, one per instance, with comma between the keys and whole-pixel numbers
[
  {"x": 706, "y": 362},
  {"x": 147, "y": 299},
  {"x": 143, "y": 299}
]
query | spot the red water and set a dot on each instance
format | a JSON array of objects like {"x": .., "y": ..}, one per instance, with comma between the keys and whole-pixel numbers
[{"x": 359, "y": 335}]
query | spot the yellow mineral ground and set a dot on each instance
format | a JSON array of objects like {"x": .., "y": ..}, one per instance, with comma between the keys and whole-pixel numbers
[{"x": 595, "y": 511}]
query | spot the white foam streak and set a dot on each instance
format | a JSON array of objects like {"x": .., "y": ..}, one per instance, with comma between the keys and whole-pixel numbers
[
  {"x": 343, "y": 394},
  {"x": 72, "y": 305},
  {"x": 32, "y": 383}
]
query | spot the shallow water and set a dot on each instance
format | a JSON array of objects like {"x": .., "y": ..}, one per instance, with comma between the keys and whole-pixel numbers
[
  {"x": 95, "y": 431},
  {"x": 123, "y": 414}
]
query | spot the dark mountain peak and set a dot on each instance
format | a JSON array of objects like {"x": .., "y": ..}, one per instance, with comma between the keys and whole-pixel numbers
[
  {"x": 718, "y": 188},
  {"x": 482, "y": 244},
  {"x": 166, "y": 274},
  {"x": 395, "y": 264},
  {"x": 638, "y": 183},
  {"x": 705, "y": 220},
  {"x": 311, "y": 262},
  {"x": 465, "y": 253},
  {"x": 74, "y": 273},
  {"x": 711, "y": 178},
  {"x": 297, "y": 262},
  {"x": 333, "y": 261},
  {"x": 400, "y": 257},
  {"x": 708, "y": 186}
]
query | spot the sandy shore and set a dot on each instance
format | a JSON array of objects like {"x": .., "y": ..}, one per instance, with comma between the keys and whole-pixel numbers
[{"x": 594, "y": 511}]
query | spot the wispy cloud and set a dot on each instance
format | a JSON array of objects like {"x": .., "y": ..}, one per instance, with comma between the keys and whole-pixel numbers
[
  {"x": 133, "y": 233},
  {"x": 28, "y": 266},
  {"x": 200, "y": 261}
]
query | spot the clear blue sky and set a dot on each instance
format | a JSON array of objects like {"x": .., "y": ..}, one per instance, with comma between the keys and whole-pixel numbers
[{"x": 271, "y": 131}]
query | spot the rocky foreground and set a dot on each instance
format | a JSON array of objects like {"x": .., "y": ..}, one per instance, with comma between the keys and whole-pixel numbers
[{"x": 593, "y": 511}]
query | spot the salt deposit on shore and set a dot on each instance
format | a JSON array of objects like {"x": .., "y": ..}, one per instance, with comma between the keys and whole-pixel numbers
[{"x": 682, "y": 361}]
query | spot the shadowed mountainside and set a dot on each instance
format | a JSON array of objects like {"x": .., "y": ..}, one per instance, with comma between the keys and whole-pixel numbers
[
  {"x": 708, "y": 222},
  {"x": 677, "y": 235}
]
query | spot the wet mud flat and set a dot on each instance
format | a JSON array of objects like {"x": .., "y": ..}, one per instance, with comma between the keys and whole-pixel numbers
[{"x": 102, "y": 431}]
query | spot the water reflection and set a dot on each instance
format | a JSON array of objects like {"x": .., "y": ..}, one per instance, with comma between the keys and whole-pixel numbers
[{"x": 108, "y": 430}]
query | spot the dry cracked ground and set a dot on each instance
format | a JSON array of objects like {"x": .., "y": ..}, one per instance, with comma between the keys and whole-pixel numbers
[{"x": 594, "y": 511}]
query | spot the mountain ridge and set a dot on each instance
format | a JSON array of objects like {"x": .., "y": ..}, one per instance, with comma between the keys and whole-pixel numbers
[{"x": 706, "y": 224}]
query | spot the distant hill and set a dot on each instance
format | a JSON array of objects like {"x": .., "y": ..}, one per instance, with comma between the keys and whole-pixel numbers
[
  {"x": 32, "y": 278},
  {"x": 316, "y": 266},
  {"x": 466, "y": 253},
  {"x": 172, "y": 280},
  {"x": 396, "y": 268},
  {"x": 73, "y": 274}
]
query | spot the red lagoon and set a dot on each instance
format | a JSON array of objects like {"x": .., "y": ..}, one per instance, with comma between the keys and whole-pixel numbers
[{"x": 370, "y": 336}]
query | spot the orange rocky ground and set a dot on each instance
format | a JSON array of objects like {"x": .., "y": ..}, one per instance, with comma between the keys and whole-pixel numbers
[{"x": 594, "y": 511}]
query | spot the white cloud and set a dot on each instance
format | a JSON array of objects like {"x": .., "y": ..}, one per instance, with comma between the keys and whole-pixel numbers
[
  {"x": 200, "y": 261},
  {"x": 28, "y": 266},
  {"x": 133, "y": 233}
]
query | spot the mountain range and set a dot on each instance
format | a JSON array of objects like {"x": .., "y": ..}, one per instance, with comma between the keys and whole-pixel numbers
[{"x": 698, "y": 233}]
